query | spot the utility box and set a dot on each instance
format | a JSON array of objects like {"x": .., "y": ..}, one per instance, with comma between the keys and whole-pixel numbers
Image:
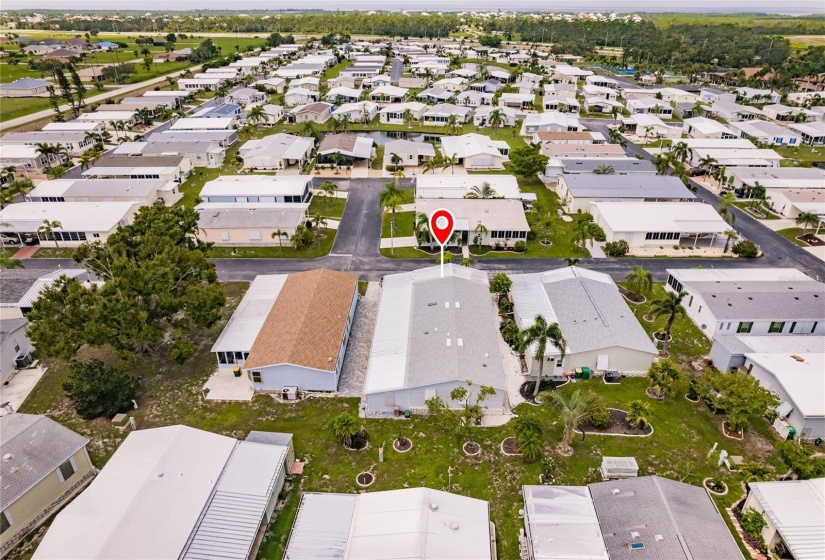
[
  {"x": 290, "y": 394},
  {"x": 619, "y": 467}
]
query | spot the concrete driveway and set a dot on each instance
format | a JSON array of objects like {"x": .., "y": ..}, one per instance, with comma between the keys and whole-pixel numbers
[{"x": 18, "y": 388}]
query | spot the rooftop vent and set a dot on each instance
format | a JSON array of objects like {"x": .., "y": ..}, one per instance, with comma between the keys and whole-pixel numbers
[
  {"x": 449, "y": 342},
  {"x": 432, "y": 304},
  {"x": 434, "y": 506},
  {"x": 7, "y": 457},
  {"x": 635, "y": 535},
  {"x": 461, "y": 342},
  {"x": 454, "y": 525},
  {"x": 446, "y": 305},
  {"x": 659, "y": 538},
  {"x": 458, "y": 305},
  {"x": 798, "y": 358},
  {"x": 616, "y": 491}
]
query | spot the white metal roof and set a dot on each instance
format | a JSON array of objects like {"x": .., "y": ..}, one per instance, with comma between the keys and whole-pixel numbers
[
  {"x": 456, "y": 186},
  {"x": 469, "y": 145},
  {"x": 562, "y": 524},
  {"x": 321, "y": 527},
  {"x": 190, "y": 123},
  {"x": 783, "y": 275},
  {"x": 146, "y": 500},
  {"x": 803, "y": 381},
  {"x": 256, "y": 185},
  {"x": 246, "y": 322},
  {"x": 228, "y": 527},
  {"x": 797, "y": 510},
  {"x": 681, "y": 217},
  {"x": 107, "y": 116},
  {"x": 74, "y": 216},
  {"x": 47, "y": 280},
  {"x": 496, "y": 214}
]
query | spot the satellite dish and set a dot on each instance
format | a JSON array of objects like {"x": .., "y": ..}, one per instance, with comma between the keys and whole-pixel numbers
[{"x": 704, "y": 327}]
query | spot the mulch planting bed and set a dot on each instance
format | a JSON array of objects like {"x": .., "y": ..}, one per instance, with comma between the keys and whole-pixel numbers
[
  {"x": 726, "y": 429},
  {"x": 811, "y": 240},
  {"x": 618, "y": 425},
  {"x": 510, "y": 446},
  {"x": 402, "y": 446}
]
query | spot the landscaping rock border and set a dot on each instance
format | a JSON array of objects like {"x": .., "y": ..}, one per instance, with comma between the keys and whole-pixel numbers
[
  {"x": 503, "y": 452},
  {"x": 395, "y": 441},
  {"x": 726, "y": 432},
  {"x": 714, "y": 492},
  {"x": 365, "y": 475},
  {"x": 464, "y": 448}
]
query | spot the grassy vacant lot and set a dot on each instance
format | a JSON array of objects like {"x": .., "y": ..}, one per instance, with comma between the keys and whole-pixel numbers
[
  {"x": 12, "y": 108},
  {"x": 320, "y": 248},
  {"x": 812, "y": 154},
  {"x": 404, "y": 224},
  {"x": 170, "y": 394}
]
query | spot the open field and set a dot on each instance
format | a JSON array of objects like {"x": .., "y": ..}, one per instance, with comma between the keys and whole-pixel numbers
[
  {"x": 804, "y": 41},
  {"x": 170, "y": 394}
]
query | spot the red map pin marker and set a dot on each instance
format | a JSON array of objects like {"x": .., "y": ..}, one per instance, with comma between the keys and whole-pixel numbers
[{"x": 442, "y": 224}]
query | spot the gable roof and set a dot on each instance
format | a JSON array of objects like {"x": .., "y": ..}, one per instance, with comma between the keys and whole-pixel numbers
[
  {"x": 587, "y": 306},
  {"x": 675, "y": 521},
  {"x": 315, "y": 304},
  {"x": 37, "y": 446}
]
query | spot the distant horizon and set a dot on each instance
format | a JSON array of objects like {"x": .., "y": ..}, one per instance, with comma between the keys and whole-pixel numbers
[{"x": 767, "y": 7}]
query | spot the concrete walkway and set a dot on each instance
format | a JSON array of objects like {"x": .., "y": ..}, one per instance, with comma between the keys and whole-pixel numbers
[
  {"x": 596, "y": 250},
  {"x": 19, "y": 386},
  {"x": 224, "y": 386},
  {"x": 387, "y": 242},
  {"x": 20, "y": 121}
]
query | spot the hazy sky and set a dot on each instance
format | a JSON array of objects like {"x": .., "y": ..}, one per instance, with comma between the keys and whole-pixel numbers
[{"x": 792, "y": 7}]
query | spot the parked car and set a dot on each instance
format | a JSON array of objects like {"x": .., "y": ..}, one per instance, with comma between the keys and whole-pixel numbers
[
  {"x": 9, "y": 240},
  {"x": 696, "y": 171}
]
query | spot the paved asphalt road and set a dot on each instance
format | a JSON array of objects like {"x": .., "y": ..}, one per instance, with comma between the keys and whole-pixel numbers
[
  {"x": 397, "y": 71},
  {"x": 357, "y": 243}
]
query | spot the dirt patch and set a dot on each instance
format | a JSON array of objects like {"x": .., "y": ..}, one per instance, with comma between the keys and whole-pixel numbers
[
  {"x": 402, "y": 446},
  {"x": 618, "y": 426},
  {"x": 509, "y": 446},
  {"x": 726, "y": 429},
  {"x": 365, "y": 479},
  {"x": 527, "y": 388},
  {"x": 811, "y": 240},
  {"x": 471, "y": 448},
  {"x": 631, "y": 297}
]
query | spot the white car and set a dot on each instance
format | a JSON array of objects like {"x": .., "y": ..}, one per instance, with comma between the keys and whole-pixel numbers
[{"x": 8, "y": 240}]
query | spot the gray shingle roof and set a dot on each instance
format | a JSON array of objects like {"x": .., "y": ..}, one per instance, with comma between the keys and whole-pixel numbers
[
  {"x": 269, "y": 438},
  {"x": 37, "y": 446},
  {"x": 675, "y": 521},
  {"x": 627, "y": 186},
  {"x": 249, "y": 216},
  {"x": 620, "y": 165},
  {"x": 8, "y": 326},
  {"x": 16, "y": 282},
  {"x": 771, "y": 301}
]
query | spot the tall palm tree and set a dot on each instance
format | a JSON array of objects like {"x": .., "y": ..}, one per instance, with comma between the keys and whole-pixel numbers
[
  {"x": 540, "y": 333},
  {"x": 328, "y": 188},
  {"x": 807, "y": 219},
  {"x": 730, "y": 235},
  {"x": 670, "y": 306},
  {"x": 452, "y": 127},
  {"x": 450, "y": 161},
  {"x": 639, "y": 281},
  {"x": 482, "y": 191},
  {"x": 480, "y": 231},
  {"x": 337, "y": 159},
  {"x": 49, "y": 228},
  {"x": 604, "y": 169},
  {"x": 496, "y": 120},
  {"x": 118, "y": 126},
  {"x": 661, "y": 162},
  {"x": 278, "y": 234},
  {"x": 707, "y": 162},
  {"x": 48, "y": 151},
  {"x": 430, "y": 165},
  {"x": 256, "y": 115},
  {"x": 682, "y": 152},
  {"x": 422, "y": 226},
  {"x": 408, "y": 117},
  {"x": 582, "y": 232},
  {"x": 726, "y": 207},
  {"x": 308, "y": 129},
  {"x": 572, "y": 409},
  {"x": 390, "y": 201}
]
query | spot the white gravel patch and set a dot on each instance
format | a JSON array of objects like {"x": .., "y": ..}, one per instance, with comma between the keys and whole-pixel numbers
[{"x": 360, "y": 342}]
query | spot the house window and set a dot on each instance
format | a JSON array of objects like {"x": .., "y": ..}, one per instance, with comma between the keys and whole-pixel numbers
[
  {"x": 777, "y": 327},
  {"x": 5, "y": 521},
  {"x": 744, "y": 327},
  {"x": 17, "y": 346},
  {"x": 256, "y": 376},
  {"x": 254, "y": 235},
  {"x": 224, "y": 236},
  {"x": 66, "y": 470}
]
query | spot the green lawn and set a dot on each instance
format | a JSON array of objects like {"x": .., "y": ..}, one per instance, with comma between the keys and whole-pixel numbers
[
  {"x": 806, "y": 154},
  {"x": 404, "y": 224},
  {"x": 319, "y": 249},
  {"x": 327, "y": 206},
  {"x": 170, "y": 394},
  {"x": 745, "y": 206},
  {"x": 11, "y": 72},
  {"x": 405, "y": 253},
  {"x": 335, "y": 70},
  {"x": 49, "y": 251},
  {"x": 791, "y": 233},
  {"x": 14, "y": 107}
]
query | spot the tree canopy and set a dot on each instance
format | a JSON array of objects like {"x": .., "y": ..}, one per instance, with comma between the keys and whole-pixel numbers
[
  {"x": 157, "y": 285},
  {"x": 99, "y": 390}
]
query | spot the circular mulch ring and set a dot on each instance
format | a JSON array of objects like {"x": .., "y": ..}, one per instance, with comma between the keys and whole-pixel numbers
[
  {"x": 631, "y": 297},
  {"x": 646, "y": 320},
  {"x": 661, "y": 338},
  {"x": 471, "y": 448},
  {"x": 652, "y": 394},
  {"x": 664, "y": 354},
  {"x": 618, "y": 426},
  {"x": 732, "y": 434},
  {"x": 706, "y": 484},
  {"x": 545, "y": 242},
  {"x": 692, "y": 400},
  {"x": 509, "y": 446},
  {"x": 362, "y": 448},
  {"x": 407, "y": 445},
  {"x": 563, "y": 453},
  {"x": 364, "y": 479}
]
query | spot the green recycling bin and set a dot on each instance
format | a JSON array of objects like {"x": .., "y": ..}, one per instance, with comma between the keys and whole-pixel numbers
[
  {"x": 585, "y": 373},
  {"x": 791, "y": 433}
]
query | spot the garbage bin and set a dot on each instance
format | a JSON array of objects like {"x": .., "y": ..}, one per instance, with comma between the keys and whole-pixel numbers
[
  {"x": 585, "y": 373},
  {"x": 237, "y": 371},
  {"x": 791, "y": 433}
]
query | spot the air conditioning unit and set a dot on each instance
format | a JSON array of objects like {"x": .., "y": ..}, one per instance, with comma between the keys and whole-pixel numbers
[
  {"x": 290, "y": 393},
  {"x": 23, "y": 360}
]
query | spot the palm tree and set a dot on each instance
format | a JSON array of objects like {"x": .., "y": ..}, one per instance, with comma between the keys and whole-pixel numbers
[
  {"x": 256, "y": 115},
  {"x": 540, "y": 333},
  {"x": 48, "y": 229},
  {"x": 8, "y": 171},
  {"x": 328, "y": 188},
  {"x": 452, "y": 127},
  {"x": 9, "y": 262},
  {"x": 730, "y": 235},
  {"x": 480, "y": 231},
  {"x": 319, "y": 221},
  {"x": 278, "y": 234},
  {"x": 398, "y": 174},
  {"x": 450, "y": 161},
  {"x": 483, "y": 191},
  {"x": 682, "y": 152},
  {"x": 571, "y": 261},
  {"x": 726, "y": 207},
  {"x": 118, "y": 126},
  {"x": 408, "y": 117},
  {"x": 430, "y": 165},
  {"x": 307, "y": 129},
  {"x": 639, "y": 281},
  {"x": 638, "y": 413},
  {"x": 582, "y": 232},
  {"x": 337, "y": 159},
  {"x": 807, "y": 219},
  {"x": 572, "y": 409},
  {"x": 707, "y": 162},
  {"x": 422, "y": 225},
  {"x": 662, "y": 376},
  {"x": 528, "y": 436},
  {"x": 144, "y": 115},
  {"x": 390, "y": 201},
  {"x": 48, "y": 151},
  {"x": 604, "y": 170},
  {"x": 496, "y": 120},
  {"x": 343, "y": 427},
  {"x": 661, "y": 162},
  {"x": 670, "y": 305}
]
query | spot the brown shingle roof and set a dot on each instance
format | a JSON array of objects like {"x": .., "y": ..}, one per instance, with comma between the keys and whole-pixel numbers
[{"x": 307, "y": 323}]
